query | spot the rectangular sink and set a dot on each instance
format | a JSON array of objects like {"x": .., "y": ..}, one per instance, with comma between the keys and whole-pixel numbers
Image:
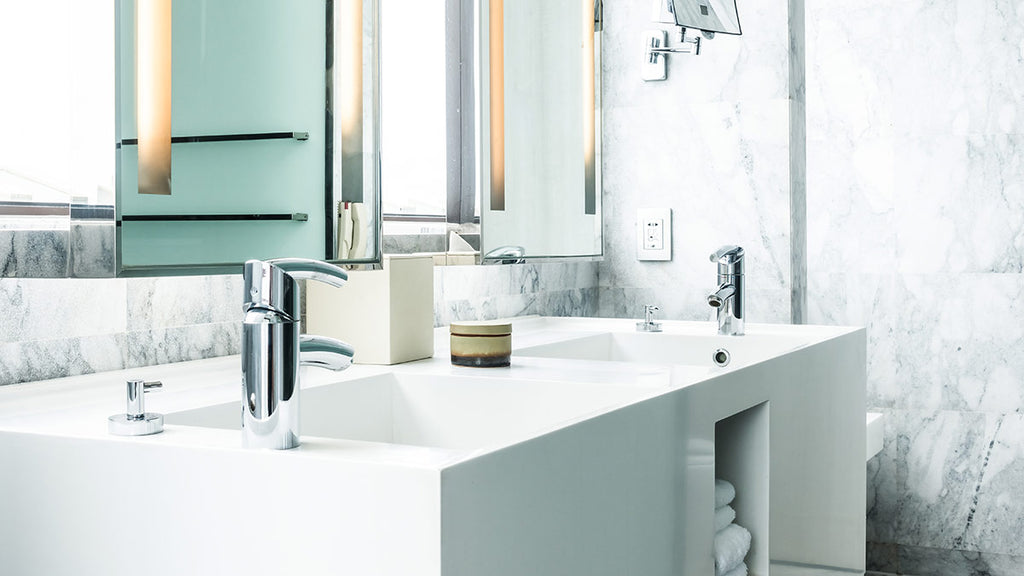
[
  {"x": 696, "y": 350},
  {"x": 438, "y": 411}
]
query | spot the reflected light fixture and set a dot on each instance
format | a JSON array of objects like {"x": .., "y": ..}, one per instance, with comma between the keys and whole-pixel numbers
[
  {"x": 591, "y": 12},
  {"x": 349, "y": 86},
  {"x": 497, "y": 51},
  {"x": 153, "y": 94}
]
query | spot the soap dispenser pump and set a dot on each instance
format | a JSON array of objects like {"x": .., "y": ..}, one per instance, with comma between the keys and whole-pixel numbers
[{"x": 136, "y": 421}]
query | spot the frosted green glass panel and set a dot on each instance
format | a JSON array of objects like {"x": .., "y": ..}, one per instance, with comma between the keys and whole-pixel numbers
[{"x": 239, "y": 67}]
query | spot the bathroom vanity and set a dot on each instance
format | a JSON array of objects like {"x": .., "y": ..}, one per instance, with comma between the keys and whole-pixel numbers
[{"x": 594, "y": 453}]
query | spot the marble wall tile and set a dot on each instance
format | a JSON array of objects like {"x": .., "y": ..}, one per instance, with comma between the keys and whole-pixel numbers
[
  {"x": 92, "y": 249},
  {"x": 63, "y": 327},
  {"x": 967, "y": 80},
  {"x": 30, "y": 360},
  {"x": 960, "y": 204},
  {"x": 45, "y": 309},
  {"x": 942, "y": 456},
  {"x": 183, "y": 343},
  {"x": 466, "y": 282},
  {"x": 34, "y": 253},
  {"x": 914, "y": 215},
  {"x": 564, "y": 288},
  {"x": 924, "y": 561},
  {"x": 172, "y": 301},
  {"x": 997, "y": 512},
  {"x": 865, "y": 300}
]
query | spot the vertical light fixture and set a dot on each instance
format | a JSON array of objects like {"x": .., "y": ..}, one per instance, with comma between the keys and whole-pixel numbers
[
  {"x": 590, "y": 14},
  {"x": 497, "y": 51},
  {"x": 153, "y": 94},
  {"x": 349, "y": 88}
]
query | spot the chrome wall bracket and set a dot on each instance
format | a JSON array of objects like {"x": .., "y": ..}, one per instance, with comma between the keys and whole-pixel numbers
[{"x": 656, "y": 51}]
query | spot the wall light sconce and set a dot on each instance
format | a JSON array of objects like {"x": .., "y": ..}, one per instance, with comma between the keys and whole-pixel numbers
[
  {"x": 694, "y": 21},
  {"x": 153, "y": 94}
]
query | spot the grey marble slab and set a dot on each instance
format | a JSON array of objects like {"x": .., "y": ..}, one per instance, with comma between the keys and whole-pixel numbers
[
  {"x": 997, "y": 510},
  {"x": 92, "y": 249},
  {"x": 31, "y": 360},
  {"x": 924, "y": 561},
  {"x": 165, "y": 345},
  {"x": 54, "y": 309},
  {"x": 172, "y": 301},
  {"x": 942, "y": 458},
  {"x": 34, "y": 253}
]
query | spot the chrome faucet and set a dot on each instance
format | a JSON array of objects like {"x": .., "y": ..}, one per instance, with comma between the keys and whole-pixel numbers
[
  {"x": 649, "y": 325},
  {"x": 273, "y": 349},
  {"x": 728, "y": 298}
]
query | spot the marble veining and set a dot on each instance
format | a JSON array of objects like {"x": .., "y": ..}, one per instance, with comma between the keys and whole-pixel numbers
[
  {"x": 34, "y": 253},
  {"x": 92, "y": 249},
  {"x": 943, "y": 459},
  {"x": 72, "y": 326},
  {"x": 914, "y": 219}
]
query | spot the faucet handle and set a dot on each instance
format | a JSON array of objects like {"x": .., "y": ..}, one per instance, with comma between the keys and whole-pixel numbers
[
  {"x": 727, "y": 254},
  {"x": 309, "y": 269},
  {"x": 270, "y": 284},
  {"x": 136, "y": 421}
]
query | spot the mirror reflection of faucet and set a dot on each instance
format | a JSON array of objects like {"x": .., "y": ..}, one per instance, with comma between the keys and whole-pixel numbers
[
  {"x": 728, "y": 298},
  {"x": 649, "y": 325}
]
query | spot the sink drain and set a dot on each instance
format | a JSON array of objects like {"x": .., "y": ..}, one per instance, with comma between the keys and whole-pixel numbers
[{"x": 721, "y": 357}]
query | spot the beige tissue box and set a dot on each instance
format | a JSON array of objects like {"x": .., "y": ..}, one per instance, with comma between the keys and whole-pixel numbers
[{"x": 386, "y": 315}]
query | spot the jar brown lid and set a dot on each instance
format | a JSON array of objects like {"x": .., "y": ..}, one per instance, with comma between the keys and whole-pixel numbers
[{"x": 481, "y": 328}]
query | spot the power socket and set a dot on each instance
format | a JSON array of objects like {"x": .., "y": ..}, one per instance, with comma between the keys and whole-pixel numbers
[{"x": 654, "y": 234}]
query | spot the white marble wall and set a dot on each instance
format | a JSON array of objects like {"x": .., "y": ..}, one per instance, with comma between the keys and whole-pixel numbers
[
  {"x": 62, "y": 327},
  {"x": 915, "y": 211},
  {"x": 713, "y": 144},
  {"x": 76, "y": 249}
]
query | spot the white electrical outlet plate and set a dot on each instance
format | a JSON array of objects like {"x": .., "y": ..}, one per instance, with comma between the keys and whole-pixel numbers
[{"x": 654, "y": 234}]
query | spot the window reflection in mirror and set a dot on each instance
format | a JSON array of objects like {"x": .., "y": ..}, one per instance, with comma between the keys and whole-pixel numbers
[
  {"x": 56, "y": 130},
  {"x": 422, "y": 116},
  {"x": 55, "y": 109}
]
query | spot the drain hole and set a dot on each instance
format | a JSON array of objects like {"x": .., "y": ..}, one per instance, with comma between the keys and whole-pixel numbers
[{"x": 721, "y": 357}]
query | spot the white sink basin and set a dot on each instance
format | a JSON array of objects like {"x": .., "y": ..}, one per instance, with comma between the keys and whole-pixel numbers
[
  {"x": 439, "y": 411},
  {"x": 550, "y": 466},
  {"x": 668, "y": 348}
]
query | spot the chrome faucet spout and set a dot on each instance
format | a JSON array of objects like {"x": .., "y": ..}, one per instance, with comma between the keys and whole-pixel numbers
[
  {"x": 728, "y": 299},
  {"x": 324, "y": 352},
  {"x": 273, "y": 348},
  {"x": 720, "y": 296}
]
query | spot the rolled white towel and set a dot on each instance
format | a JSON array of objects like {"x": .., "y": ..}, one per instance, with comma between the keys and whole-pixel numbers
[
  {"x": 740, "y": 570},
  {"x": 724, "y": 492},
  {"x": 723, "y": 517},
  {"x": 731, "y": 547}
]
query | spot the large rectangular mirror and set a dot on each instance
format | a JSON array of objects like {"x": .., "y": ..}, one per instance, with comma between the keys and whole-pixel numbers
[
  {"x": 272, "y": 122},
  {"x": 242, "y": 74},
  {"x": 254, "y": 71},
  {"x": 540, "y": 128},
  {"x": 441, "y": 148}
]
